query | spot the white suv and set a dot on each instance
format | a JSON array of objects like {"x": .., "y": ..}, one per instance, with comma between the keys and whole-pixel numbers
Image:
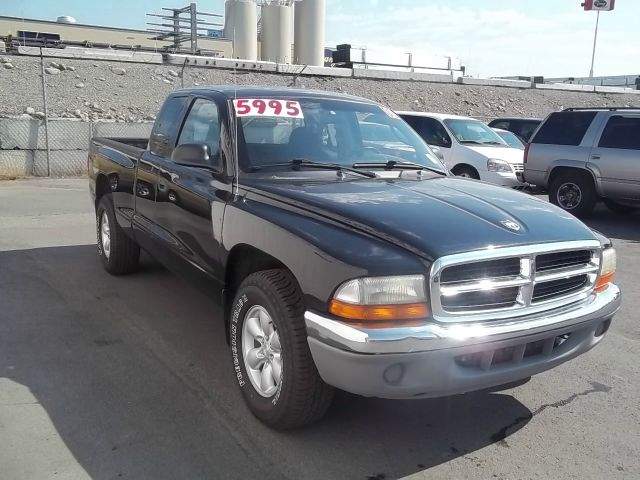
[{"x": 469, "y": 147}]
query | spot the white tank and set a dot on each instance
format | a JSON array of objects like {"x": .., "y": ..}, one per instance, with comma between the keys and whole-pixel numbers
[
  {"x": 277, "y": 21},
  {"x": 241, "y": 26},
  {"x": 66, "y": 19},
  {"x": 309, "y": 32}
]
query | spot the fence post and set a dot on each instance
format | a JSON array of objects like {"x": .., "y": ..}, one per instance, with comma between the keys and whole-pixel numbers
[{"x": 46, "y": 112}]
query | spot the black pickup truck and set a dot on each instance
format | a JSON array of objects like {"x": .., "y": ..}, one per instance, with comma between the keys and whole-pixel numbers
[{"x": 346, "y": 260}]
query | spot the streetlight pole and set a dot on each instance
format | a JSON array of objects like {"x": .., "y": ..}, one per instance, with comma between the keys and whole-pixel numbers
[{"x": 595, "y": 40}]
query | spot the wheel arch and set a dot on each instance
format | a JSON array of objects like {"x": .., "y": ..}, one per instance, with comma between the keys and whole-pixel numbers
[
  {"x": 563, "y": 166},
  {"x": 459, "y": 166}
]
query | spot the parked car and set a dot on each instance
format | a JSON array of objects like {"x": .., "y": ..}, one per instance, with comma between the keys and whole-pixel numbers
[
  {"x": 510, "y": 138},
  {"x": 469, "y": 148},
  {"x": 586, "y": 155},
  {"x": 522, "y": 127},
  {"x": 341, "y": 266}
]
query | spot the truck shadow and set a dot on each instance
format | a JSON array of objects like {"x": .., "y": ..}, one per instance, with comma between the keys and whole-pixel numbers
[
  {"x": 133, "y": 373},
  {"x": 616, "y": 225}
]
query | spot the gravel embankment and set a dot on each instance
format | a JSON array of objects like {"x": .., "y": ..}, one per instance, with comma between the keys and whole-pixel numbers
[{"x": 91, "y": 89}]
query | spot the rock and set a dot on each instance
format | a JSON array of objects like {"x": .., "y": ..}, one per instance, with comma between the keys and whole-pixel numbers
[
  {"x": 51, "y": 70},
  {"x": 30, "y": 110},
  {"x": 4, "y": 60},
  {"x": 118, "y": 71},
  {"x": 173, "y": 73},
  {"x": 78, "y": 113},
  {"x": 8, "y": 66},
  {"x": 71, "y": 69},
  {"x": 96, "y": 65},
  {"x": 102, "y": 79},
  {"x": 87, "y": 104},
  {"x": 95, "y": 106},
  {"x": 165, "y": 80},
  {"x": 38, "y": 115},
  {"x": 150, "y": 117},
  {"x": 457, "y": 94},
  {"x": 80, "y": 85},
  {"x": 54, "y": 65},
  {"x": 78, "y": 76},
  {"x": 130, "y": 119}
]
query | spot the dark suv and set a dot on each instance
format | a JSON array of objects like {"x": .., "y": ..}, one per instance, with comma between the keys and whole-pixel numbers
[{"x": 522, "y": 127}]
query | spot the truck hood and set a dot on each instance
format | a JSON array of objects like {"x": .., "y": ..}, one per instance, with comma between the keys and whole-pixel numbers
[
  {"x": 431, "y": 217},
  {"x": 508, "y": 154}
]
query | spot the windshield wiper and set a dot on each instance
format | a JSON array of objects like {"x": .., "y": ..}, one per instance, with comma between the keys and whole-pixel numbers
[
  {"x": 493, "y": 143},
  {"x": 297, "y": 163},
  {"x": 391, "y": 164},
  {"x": 471, "y": 141}
]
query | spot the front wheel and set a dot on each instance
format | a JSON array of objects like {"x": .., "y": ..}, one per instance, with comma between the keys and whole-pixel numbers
[
  {"x": 466, "y": 171},
  {"x": 271, "y": 358}
]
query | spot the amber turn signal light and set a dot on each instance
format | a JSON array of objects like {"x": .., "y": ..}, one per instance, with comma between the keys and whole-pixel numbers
[
  {"x": 376, "y": 313},
  {"x": 604, "y": 281}
]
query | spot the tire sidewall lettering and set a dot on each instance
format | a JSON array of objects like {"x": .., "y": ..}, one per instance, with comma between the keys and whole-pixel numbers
[{"x": 235, "y": 317}]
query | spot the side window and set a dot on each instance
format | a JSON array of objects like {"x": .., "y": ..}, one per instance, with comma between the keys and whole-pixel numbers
[
  {"x": 166, "y": 125},
  {"x": 503, "y": 124},
  {"x": 202, "y": 126},
  {"x": 435, "y": 133},
  {"x": 621, "y": 132},
  {"x": 564, "y": 128}
]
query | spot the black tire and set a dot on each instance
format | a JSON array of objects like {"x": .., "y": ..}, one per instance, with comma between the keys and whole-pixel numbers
[
  {"x": 574, "y": 192},
  {"x": 466, "y": 171},
  {"x": 618, "y": 207},
  {"x": 123, "y": 254},
  {"x": 301, "y": 397}
]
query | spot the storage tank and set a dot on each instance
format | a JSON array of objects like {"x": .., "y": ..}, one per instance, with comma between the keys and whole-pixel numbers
[
  {"x": 66, "y": 19},
  {"x": 277, "y": 20},
  {"x": 309, "y": 32},
  {"x": 241, "y": 26}
]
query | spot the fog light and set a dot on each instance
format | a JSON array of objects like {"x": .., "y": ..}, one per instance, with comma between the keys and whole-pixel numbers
[{"x": 393, "y": 375}]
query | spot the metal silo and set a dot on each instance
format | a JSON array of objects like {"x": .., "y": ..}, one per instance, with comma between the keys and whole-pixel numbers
[
  {"x": 309, "y": 32},
  {"x": 277, "y": 19},
  {"x": 241, "y": 26}
]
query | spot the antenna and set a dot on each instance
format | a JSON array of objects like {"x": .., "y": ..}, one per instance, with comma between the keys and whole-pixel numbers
[{"x": 236, "y": 164}]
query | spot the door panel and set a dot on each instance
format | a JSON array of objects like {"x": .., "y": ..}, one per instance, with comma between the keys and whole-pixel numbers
[{"x": 617, "y": 157}]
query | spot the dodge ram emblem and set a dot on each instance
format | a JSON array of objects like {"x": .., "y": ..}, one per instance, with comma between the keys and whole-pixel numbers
[{"x": 511, "y": 225}]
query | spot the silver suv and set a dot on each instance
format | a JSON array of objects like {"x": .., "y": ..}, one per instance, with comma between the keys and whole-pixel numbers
[{"x": 585, "y": 155}]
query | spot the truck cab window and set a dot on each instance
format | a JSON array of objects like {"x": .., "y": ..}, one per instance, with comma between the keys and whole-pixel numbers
[
  {"x": 621, "y": 132},
  {"x": 202, "y": 126},
  {"x": 166, "y": 125}
]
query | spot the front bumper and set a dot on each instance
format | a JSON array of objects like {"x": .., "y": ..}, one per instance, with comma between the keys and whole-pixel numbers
[
  {"x": 504, "y": 179},
  {"x": 439, "y": 360}
]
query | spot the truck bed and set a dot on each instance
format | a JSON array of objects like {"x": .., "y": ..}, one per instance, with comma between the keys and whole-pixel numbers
[{"x": 127, "y": 146}]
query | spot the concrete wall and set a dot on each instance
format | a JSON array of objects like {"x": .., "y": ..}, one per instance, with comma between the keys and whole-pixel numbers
[{"x": 23, "y": 145}]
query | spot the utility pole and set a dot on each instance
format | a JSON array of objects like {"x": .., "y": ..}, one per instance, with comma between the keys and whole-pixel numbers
[{"x": 595, "y": 41}]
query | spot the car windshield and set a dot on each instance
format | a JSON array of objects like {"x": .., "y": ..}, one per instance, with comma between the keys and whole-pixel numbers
[
  {"x": 511, "y": 139},
  {"x": 325, "y": 130},
  {"x": 473, "y": 131}
]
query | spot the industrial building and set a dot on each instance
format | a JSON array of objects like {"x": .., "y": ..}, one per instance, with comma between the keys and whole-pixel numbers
[{"x": 276, "y": 31}]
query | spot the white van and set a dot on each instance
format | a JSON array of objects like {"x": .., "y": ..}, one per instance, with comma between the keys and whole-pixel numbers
[{"x": 469, "y": 147}]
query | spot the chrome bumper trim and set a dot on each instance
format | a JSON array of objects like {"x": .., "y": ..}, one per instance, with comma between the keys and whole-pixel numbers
[{"x": 438, "y": 336}]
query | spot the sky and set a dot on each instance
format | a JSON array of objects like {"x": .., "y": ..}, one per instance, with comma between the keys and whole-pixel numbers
[{"x": 492, "y": 37}]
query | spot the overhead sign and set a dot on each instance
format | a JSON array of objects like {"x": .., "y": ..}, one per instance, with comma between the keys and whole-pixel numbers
[{"x": 602, "y": 5}]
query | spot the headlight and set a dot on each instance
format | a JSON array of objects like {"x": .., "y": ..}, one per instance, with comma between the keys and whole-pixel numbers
[
  {"x": 495, "y": 165},
  {"x": 607, "y": 270},
  {"x": 375, "y": 301}
]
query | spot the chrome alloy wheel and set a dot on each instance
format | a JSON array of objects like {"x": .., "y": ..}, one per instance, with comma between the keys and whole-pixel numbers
[
  {"x": 105, "y": 234},
  {"x": 569, "y": 196},
  {"x": 261, "y": 351}
]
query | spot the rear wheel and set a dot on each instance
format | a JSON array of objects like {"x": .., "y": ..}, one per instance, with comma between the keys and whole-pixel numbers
[
  {"x": 574, "y": 192},
  {"x": 271, "y": 357},
  {"x": 466, "y": 171},
  {"x": 618, "y": 207},
  {"x": 119, "y": 253}
]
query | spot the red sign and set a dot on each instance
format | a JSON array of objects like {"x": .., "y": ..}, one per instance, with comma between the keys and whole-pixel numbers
[
  {"x": 602, "y": 5},
  {"x": 267, "y": 107}
]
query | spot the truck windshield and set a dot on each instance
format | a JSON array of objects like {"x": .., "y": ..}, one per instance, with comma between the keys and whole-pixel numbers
[
  {"x": 473, "y": 131},
  {"x": 325, "y": 130}
]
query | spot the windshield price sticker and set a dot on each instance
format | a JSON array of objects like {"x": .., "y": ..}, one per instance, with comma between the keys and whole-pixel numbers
[{"x": 266, "y": 107}]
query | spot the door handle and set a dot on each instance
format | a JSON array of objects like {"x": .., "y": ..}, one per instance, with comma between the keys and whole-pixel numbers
[
  {"x": 173, "y": 197},
  {"x": 595, "y": 157}
]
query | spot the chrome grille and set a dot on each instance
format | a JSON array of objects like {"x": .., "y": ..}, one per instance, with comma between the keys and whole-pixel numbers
[
  {"x": 508, "y": 282},
  {"x": 517, "y": 167}
]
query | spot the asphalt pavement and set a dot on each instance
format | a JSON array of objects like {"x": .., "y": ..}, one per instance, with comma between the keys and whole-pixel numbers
[{"x": 130, "y": 377}]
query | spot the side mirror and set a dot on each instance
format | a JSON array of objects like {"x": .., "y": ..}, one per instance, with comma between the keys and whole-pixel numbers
[{"x": 197, "y": 155}]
